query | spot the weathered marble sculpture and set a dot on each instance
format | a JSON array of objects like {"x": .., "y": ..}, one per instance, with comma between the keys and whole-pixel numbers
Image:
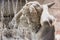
[
  {"x": 31, "y": 23},
  {"x": 27, "y": 21}
]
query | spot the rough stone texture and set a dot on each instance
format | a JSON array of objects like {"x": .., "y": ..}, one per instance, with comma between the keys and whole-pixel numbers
[
  {"x": 27, "y": 23},
  {"x": 55, "y": 10}
]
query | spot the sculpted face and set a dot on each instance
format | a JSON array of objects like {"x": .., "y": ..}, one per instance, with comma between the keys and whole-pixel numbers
[
  {"x": 28, "y": 16},
  {"x": 27, "y": 21}
]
